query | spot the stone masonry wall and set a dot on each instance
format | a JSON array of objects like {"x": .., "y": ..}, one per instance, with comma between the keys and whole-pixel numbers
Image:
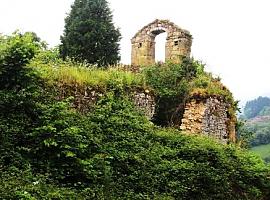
[
  {"x": 201, "y": 116},
  {"x": 143, "y": 43},
  {"x": 145, "y": 102},
  {"x": 208, "y": 117},
  {"x": 193, "y": 116},
  {"x": 86, "y": 98},
  {"x": 214, "y": 123}
]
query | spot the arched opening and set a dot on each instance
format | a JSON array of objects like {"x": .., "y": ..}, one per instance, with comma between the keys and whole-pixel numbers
[
  {"x": 150, "y": 44},
  {"x": 160, "y": 47}
]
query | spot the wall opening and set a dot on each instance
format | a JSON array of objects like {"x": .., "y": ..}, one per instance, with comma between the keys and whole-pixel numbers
[{"x": 160, "y": 47}]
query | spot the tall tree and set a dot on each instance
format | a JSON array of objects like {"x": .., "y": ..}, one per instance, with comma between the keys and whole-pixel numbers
[{"x": 90, "y": 33}]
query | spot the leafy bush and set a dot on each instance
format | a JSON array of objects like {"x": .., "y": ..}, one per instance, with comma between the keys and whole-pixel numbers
[
  {"x": 261, "y": 137},
  {"x": 171, "y": 83},
  {"x": 267, "y": 159},
  {"x": 260, "y": 130},
  {"x": 119, "y": 154},
  {"x": 50, "y": 151},
  {"x": 18, "y": 92},
  {"x": 23, "y": 184},
  {"x": 16, "y": 51}
]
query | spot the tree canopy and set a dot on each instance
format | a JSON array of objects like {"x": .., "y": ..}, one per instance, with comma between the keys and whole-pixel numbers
[
  {"x": 256, "y": 107},
  {"x": 90, "y": 34}
]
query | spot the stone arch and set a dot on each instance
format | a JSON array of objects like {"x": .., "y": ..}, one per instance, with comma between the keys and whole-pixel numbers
[{"x": 178, "y": 43}]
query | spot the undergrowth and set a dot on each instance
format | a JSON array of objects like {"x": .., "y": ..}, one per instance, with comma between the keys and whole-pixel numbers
[{"x": 49, "y": 150}]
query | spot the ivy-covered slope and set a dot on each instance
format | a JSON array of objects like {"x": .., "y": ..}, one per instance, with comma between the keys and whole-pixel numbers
[
  {"x": 49, "y": 150},
  {"x": 171, "y": 84}
]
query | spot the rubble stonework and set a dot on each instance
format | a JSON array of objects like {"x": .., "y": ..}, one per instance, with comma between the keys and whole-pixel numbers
[
  {"x": 209, "y": 117},
  {"x": 145, "y": 102},
  {"x": 143, "y": 43},
  {"x": 86, "y": 98},
  {"x": 201, "y": 116}
]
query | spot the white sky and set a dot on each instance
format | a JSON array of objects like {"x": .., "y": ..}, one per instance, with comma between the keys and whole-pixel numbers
[{"x": 231, "y": 36}]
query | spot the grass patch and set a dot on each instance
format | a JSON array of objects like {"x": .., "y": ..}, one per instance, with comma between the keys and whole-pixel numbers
[
  {"x": 80, "y": 74},
  {"x": 262, "y": 150}
]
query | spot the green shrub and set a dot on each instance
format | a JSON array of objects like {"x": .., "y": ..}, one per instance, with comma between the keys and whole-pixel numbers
[
  {"x": 171, "y": 83},
  {"x": 16, "y": 51},
  {"x": 23, "y": 184},
  {"x": 51, "y": 151}
]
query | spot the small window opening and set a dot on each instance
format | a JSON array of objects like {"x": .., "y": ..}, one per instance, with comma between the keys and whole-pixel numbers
[
  {"x": 176, "y": 43},
  {"x": 140, "y": 45}
]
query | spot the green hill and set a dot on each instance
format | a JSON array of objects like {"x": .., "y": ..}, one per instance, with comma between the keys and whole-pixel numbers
[
  {"x": 263, "y": 151},
  {"x": 257, "y": 107},
  {"x": 257, "y": 115},
  {"x": 50, "y": 149}
]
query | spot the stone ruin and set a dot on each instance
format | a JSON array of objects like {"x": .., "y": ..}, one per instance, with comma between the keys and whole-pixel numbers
[
  {"x": 85, "y": 99},
  {"x": 210, "y": 117},
  {"x": 202, "y": 115},
  {"x": 207, "y": 116},
  {"x": 178, "y": 43}
]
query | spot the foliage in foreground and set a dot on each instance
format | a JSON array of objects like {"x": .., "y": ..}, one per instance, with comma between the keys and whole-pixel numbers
[
  {"x": 116, "y": 153},
  {"x": 50, "y": 151}
]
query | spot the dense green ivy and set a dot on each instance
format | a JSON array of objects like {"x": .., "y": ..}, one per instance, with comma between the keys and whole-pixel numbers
[{"x": 50, "y": 151}]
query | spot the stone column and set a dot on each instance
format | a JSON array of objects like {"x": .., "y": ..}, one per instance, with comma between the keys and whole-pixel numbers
[
  {"x": 143, "y": 52},
  {"x": 177, "y": 46}
]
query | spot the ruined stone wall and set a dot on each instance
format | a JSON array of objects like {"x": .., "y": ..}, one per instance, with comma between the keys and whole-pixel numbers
[
  {"x": 85, "y": 99},
  {"x": 143, "y": 43},
  {"x": 209, "y": 117},
  {"x": 145, "y": 102},
  {"x": 201, "y": 116}
]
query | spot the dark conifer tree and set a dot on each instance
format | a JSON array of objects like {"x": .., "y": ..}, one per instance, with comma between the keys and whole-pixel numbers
[{"x": 90, "y": 33}]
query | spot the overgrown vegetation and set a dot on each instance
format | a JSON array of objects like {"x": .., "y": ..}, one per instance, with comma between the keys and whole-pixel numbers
[
  {"x": 174, "y": 84},
  {"x": 55, "y": 70},
  {"x": 171, "y": 83},
  {"x": 50, "y": 151}
]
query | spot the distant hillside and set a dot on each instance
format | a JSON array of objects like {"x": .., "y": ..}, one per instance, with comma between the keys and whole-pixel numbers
[
  {"x": 259, "y": 119},
  {"x": 257, "y": 107},
  {"x": 257, "y": 116},
  {"x": 263, "y": 151}
]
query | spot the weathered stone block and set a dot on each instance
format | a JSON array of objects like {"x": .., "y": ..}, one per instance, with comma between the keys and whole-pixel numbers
[{"x": 209, "y": 118}]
